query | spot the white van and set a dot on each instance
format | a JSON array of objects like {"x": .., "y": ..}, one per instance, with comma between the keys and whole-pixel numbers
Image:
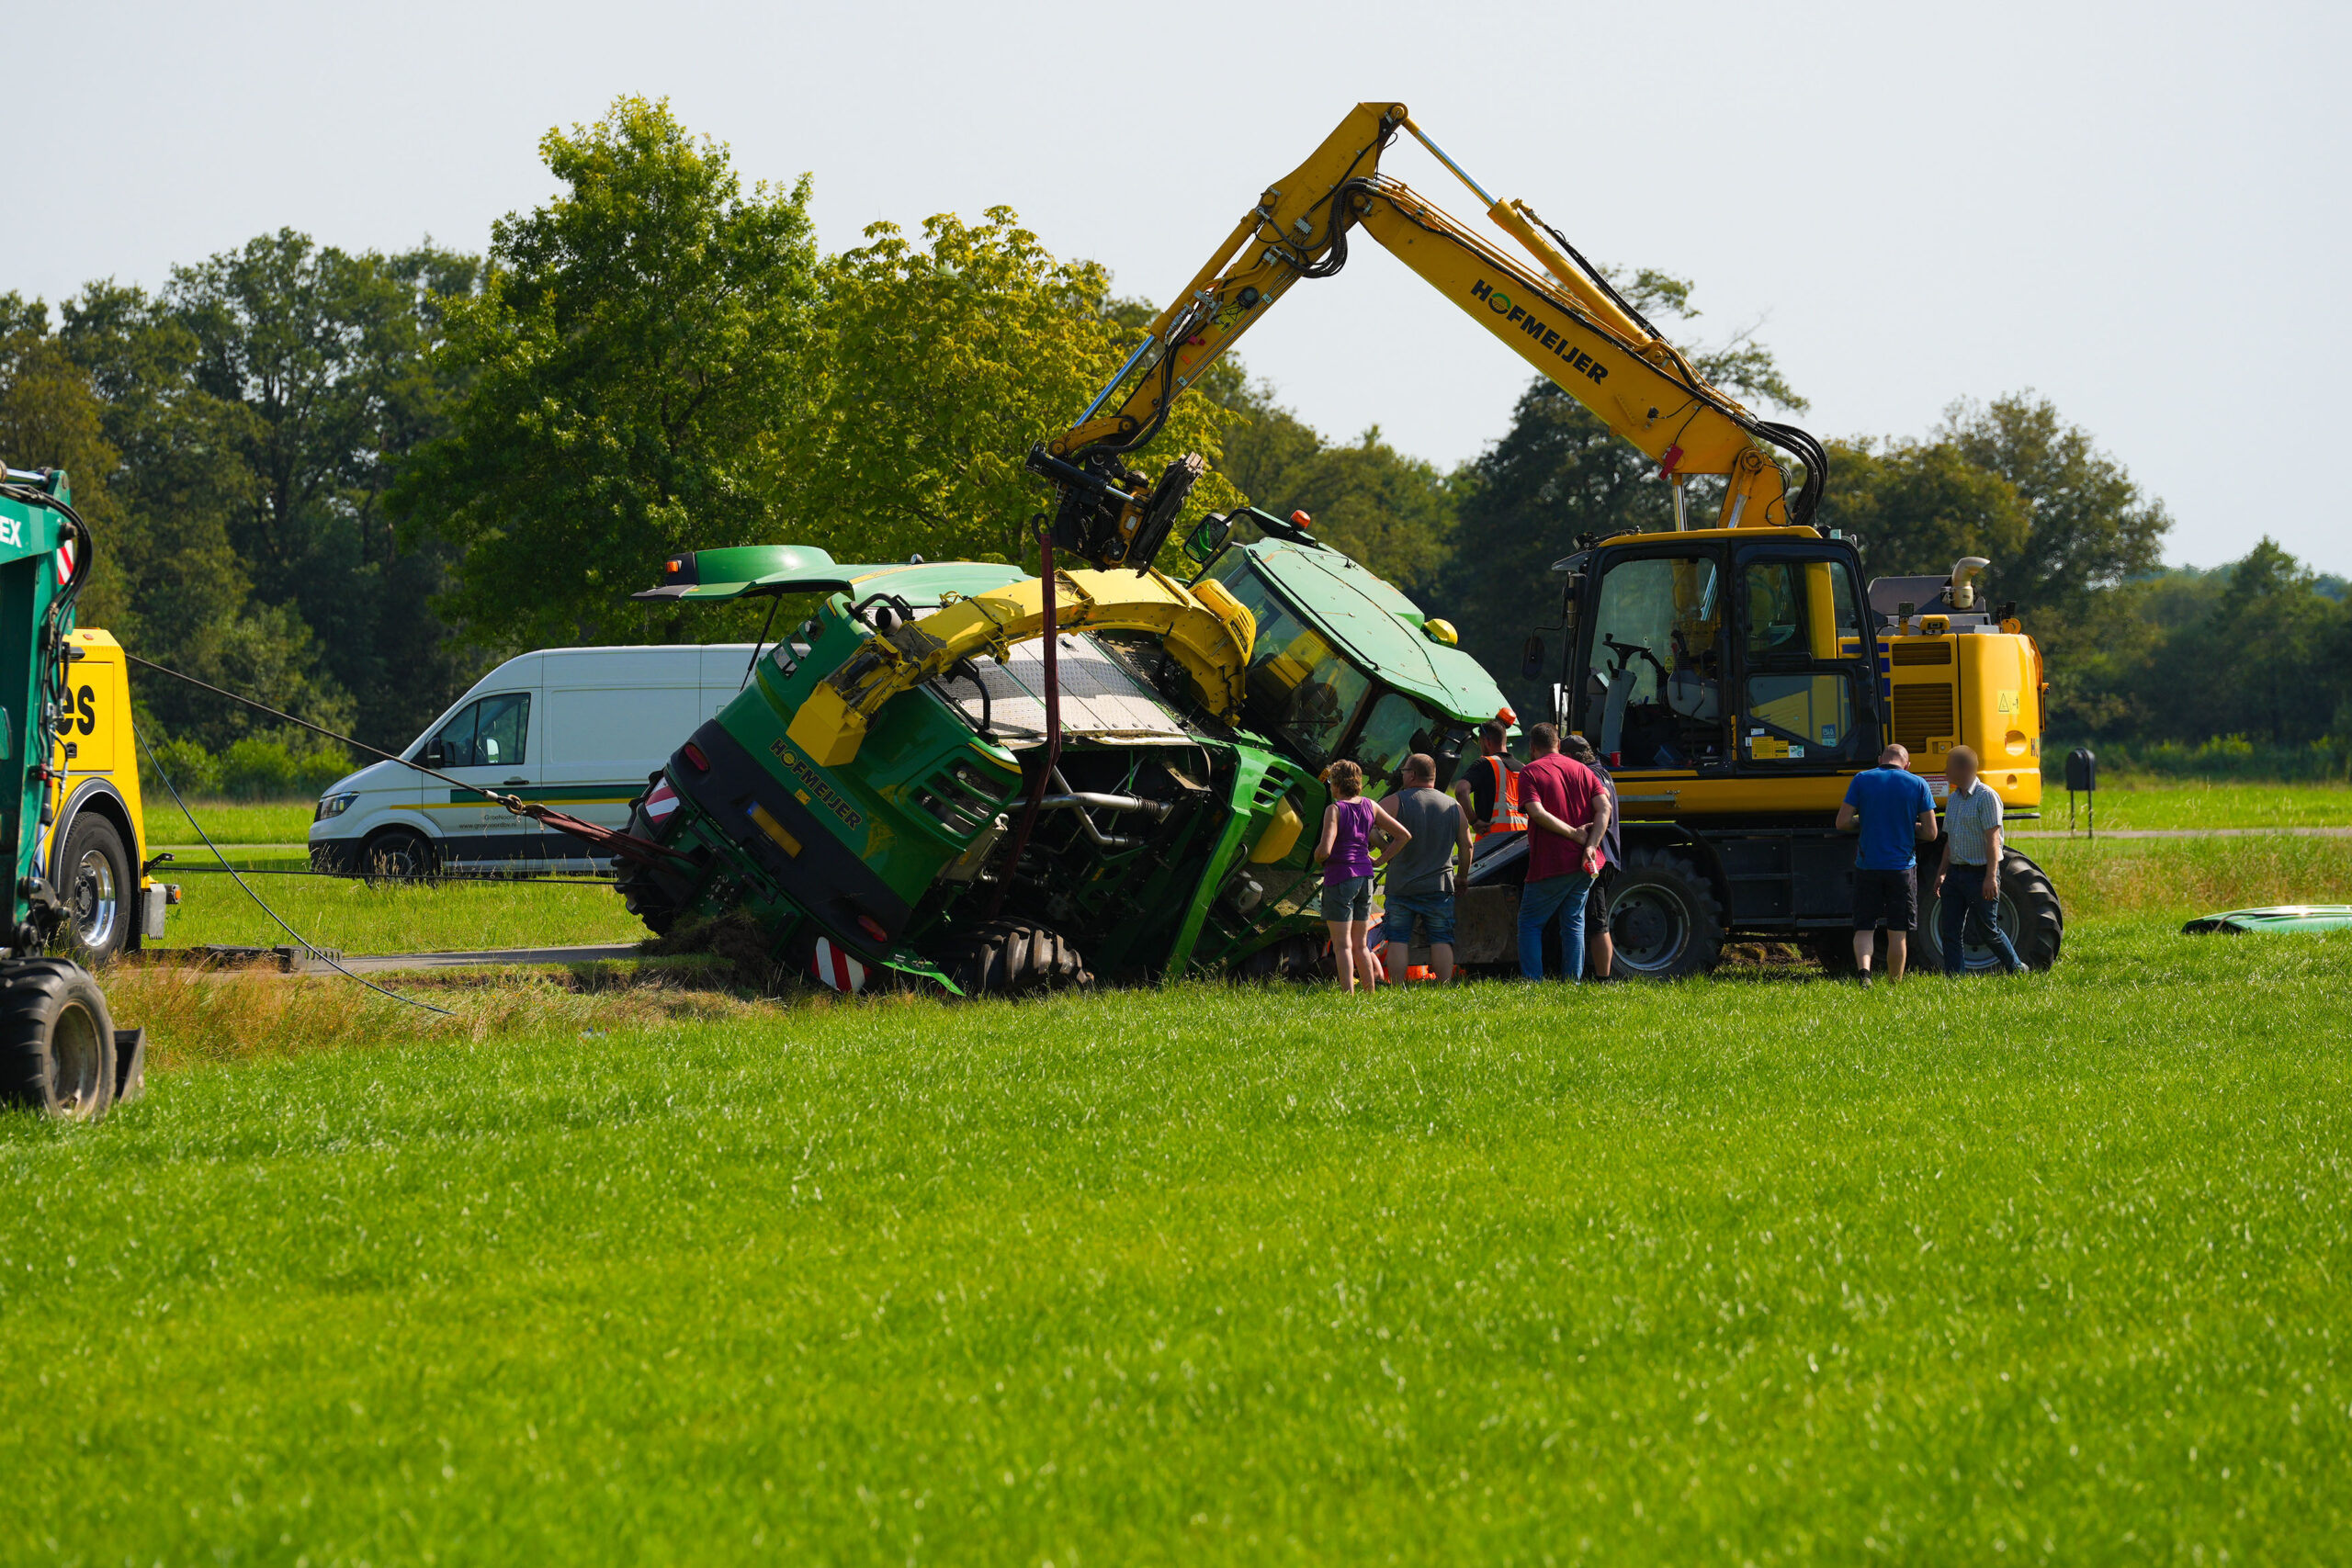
[{"x": 578, "y": 727}]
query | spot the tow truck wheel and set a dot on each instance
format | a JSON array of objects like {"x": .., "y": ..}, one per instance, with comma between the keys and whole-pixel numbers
[
  {"x": 1664, "y": 917},
  {"x": 57, "y": 1041},
  {"x": 1012, "y": 958},
  {"x": 401, "y": 854},
  {"x": 97, "y": 889}
]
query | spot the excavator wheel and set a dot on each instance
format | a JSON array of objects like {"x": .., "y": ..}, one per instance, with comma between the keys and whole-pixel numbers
[
  {"x": 2029, "y": 914},
  {"x": 57, "y": 1041},
  {"x": 1665, "y": 917},
  {"x": 1013, "y": 958}
]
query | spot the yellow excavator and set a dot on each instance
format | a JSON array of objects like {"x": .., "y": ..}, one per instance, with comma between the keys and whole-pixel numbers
[{"x": 1736, "y": 676}]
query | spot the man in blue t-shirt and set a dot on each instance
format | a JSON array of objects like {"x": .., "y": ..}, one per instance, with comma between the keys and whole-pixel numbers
[{"x": 1895, "y": 812}]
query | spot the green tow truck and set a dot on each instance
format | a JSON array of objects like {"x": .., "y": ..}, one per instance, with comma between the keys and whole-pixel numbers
[{"x": 923, "y": 784}]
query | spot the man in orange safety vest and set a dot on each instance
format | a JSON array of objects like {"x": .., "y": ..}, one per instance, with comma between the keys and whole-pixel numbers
[{"x": 1488, "y": 787}]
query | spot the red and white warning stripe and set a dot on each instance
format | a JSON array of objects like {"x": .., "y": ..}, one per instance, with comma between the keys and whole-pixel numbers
[
  {"x": 65, "y": 561},
  {"x": 837, "y": 968},
  {"x": 663, "y": 800}
]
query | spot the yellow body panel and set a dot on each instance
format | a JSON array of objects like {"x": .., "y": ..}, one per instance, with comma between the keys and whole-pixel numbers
[
  {"x": 1981, "y": 690},
  {"x": 1204, "y": 628},
  {"x": 97, "y": 742}
]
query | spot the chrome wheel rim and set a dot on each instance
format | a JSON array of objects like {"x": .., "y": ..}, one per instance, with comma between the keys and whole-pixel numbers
[
  {"x": 1650, "y": 925},
  {"x": 97, "y": 901},
  {"x": 76, "y": 1063}
]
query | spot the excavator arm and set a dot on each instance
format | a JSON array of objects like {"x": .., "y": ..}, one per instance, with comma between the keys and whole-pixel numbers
[{"x": 1559, "y": 313}]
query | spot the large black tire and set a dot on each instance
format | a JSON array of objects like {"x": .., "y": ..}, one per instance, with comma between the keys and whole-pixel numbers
[
  {"x": 2029, "y": 913},
  {"x": 646, "y": 901},
  {"x": 56, "y": 1040},
  {"x": 100, "y": 894},
  {"x": 1296, "y": 957},
  {"x": 399, "y": 854},
  {"x": 1012, "y": 958},
  {"x": 1664, "y": 917}
]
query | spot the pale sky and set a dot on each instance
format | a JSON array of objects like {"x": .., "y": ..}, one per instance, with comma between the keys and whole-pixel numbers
[{"x": 2140, "y": 211}]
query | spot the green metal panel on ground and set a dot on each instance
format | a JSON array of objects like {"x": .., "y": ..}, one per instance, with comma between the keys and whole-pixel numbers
[{"x": 2280, "y": 918}]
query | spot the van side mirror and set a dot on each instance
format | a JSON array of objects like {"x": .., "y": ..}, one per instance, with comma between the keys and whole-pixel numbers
[
  {"x": 1531, "y": 659},
  {"x": 433, "y": 756},
  {"x": 1209, "y": 537}
]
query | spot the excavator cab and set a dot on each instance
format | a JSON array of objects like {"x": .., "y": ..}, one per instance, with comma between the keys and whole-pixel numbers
[{"x": 1719, "y": 653}]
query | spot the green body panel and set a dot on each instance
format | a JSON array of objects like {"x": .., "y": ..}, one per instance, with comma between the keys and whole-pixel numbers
[
  {"x": 869, "y": 807},
  {"x": 1378, "y": 626},
  {"x": 29, "y": 583},
  {"x": 918, "y": 583},
  {"x": 2284, "y": 918}
]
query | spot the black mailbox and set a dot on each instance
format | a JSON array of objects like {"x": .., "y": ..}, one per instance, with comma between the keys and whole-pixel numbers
[{"x": 2082, "y": 769}]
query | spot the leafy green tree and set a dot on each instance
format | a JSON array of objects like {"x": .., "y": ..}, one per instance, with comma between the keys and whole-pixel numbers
[
  {"x": 2259, "y": 662},
  {"x": 1393, "y": 513},
  {"x": 2088, "y": 529},
  {"x": 1918, "y": 506},
  {"x": 637, "y": 348},
  {"x": 328, "y": 355},
  {"x": 943, "y": 363}
]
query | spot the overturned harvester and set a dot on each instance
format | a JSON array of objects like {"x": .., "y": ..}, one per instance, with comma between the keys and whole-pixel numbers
[{"x": 924, "y": 780}]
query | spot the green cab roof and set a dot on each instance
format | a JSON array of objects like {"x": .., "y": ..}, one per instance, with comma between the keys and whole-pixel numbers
[
  {"x": 703, "y": 576},
  {"x": 1378, "y": 626}
]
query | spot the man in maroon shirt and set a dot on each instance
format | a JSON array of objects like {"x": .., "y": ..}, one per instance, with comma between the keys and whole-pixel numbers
[{"x": 1567, "y": 814}]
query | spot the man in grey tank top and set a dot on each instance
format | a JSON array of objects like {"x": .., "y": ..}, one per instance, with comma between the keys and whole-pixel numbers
[{"x": 1421, "y": 874}]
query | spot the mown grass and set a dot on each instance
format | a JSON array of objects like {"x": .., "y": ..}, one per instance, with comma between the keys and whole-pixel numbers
[
  {"x": 227, "y": 821},
  {"x": 2148, "y": 801},
  {"x": 1753, "y": 1270},
  {"x": 350, "y": 915}
]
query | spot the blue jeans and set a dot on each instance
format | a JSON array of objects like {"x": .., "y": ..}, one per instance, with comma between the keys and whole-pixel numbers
[
  {"x": 1964, "y": 905},
  {"x": 1540, "y": 903}
]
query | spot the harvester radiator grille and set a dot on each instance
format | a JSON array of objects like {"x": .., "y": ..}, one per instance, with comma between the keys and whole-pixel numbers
[
  {"x": 1923, "y": 653},
  {"x": 1922, "y": 713}
]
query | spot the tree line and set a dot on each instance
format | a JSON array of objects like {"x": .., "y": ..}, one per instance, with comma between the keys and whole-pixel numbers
[{"x": 346, "y": 484}]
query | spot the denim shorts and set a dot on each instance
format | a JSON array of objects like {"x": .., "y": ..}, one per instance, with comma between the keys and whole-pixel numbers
[
  {"x": 1349, "y": 898},
  {"x": 1431, "y": 911}
]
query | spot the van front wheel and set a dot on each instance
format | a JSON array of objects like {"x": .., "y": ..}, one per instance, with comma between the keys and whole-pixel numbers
[{"x": 402, "y": 854}]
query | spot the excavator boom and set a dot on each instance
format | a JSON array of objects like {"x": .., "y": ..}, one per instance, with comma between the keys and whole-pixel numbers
[{"x": 1559, "y": 314}]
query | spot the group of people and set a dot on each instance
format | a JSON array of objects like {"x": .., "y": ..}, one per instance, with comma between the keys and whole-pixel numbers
[
  {"x": 1566, "y": 802},
  {"x": 1563, "y": 797}
]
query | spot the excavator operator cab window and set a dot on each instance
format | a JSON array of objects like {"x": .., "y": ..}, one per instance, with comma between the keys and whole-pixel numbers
[
  {"x": 1804, "y": 701},
  {"x": 1652, "y": 694}
]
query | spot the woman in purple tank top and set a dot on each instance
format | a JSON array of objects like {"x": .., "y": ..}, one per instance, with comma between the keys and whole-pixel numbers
[{"x": 1358, "y": 835}]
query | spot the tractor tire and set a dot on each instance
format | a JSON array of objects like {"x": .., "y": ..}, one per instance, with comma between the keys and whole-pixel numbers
[
  {"x": 399, "y": 854},
  {"x": 1013, "y": 958},
  {"x": 2029, "y": 914},
  {"x": 100, "y": 894},
  {"x": 1297, "y": 958},
  {"x": 57, "y": 1043},
  {"x": 647, "y": 901},
  {"x": 1664, "y": 917}
]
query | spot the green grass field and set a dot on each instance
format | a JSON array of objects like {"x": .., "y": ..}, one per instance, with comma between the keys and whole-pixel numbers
[
  {"x": 2144, "y": 801},
  {"x": 227, "y": 821},
  {"x": 1752, "y": 1269}
]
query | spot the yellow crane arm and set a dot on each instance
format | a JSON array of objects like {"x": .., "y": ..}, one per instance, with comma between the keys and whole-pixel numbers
[
  {"x": 1558, "y": 315},
  {"x": 1207, "y": 630}
]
